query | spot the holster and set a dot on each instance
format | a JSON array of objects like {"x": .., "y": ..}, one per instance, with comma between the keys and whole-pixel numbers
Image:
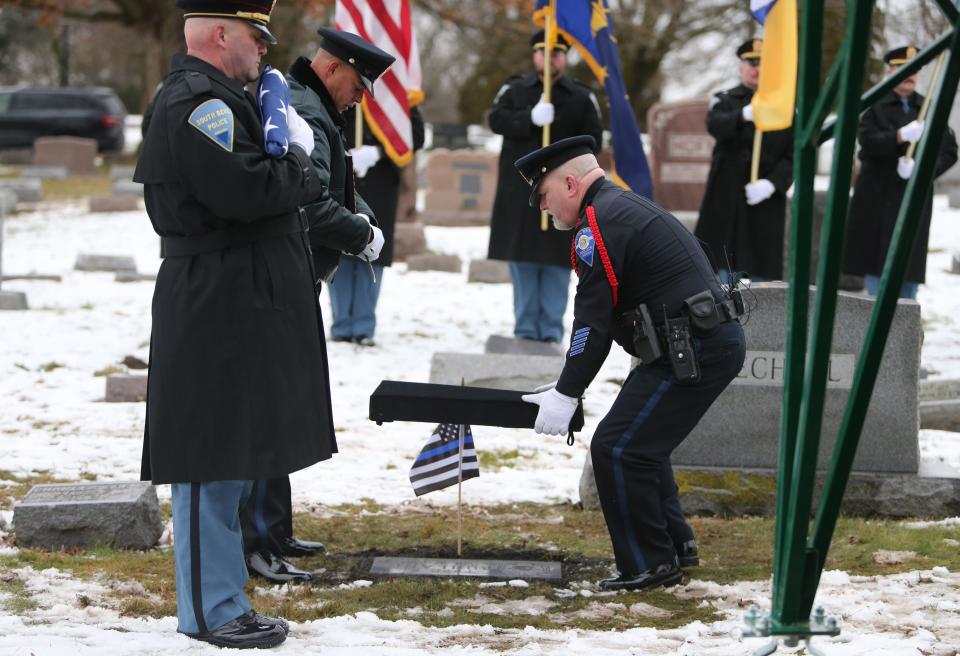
[{"x": 646, "y": 342}]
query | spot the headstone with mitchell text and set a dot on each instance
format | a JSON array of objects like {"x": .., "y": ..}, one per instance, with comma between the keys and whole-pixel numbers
[
  {"x": 62, "y": 515},
  {"x": 77, "y": 154},
  {"x": 681, "y": 149},
  {"x": 742, "y": 427}
]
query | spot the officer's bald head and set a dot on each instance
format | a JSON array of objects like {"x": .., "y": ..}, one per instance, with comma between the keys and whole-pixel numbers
[
  {"x": 563, "y": 189},
  {"x": 231, "y": 45}
]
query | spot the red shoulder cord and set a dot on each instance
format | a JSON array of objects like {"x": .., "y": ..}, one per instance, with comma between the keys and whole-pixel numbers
[{"x": 601, "y": 248}]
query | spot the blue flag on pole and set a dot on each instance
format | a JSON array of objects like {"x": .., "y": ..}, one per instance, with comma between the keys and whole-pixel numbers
[
  {"x": 273, "y": 95},
  {"x": 586, "y": 24}
]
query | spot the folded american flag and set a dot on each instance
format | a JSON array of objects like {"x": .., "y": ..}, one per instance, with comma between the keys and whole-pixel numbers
[
  {"x": 273, "y": 94},
  {"x": 437, "y": 465}
]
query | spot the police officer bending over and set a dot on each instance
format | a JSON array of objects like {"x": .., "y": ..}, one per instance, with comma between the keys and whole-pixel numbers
[{"x": 645, "y": 283}]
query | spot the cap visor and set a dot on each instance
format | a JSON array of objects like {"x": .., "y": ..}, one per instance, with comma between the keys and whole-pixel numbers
[
  {"x": 268, "y": 37},
  {"x": 368, "y": 84},
  {"x": 534, "y": 199}
]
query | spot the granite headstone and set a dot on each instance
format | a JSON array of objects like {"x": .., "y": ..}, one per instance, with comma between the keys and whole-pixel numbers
[
  {"x": 681, "y": 149},
  {"x": 496, "y": 370},
  {"x": 77, "y": 154},
  {"x": 125, "y": 388},
  {"x": 56, "y": 516},
  {"x": 489, "y": 271},
  {"x": 112, "y": 263}
]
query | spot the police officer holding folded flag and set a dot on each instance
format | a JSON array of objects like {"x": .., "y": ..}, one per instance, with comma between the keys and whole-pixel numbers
[
  {"x": 236, "y": 389},
  {"x": 645, "y": 283}
]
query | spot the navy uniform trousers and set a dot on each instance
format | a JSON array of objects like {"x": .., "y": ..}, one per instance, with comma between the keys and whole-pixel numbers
[
  {"x": 208, "y": 550},
  {"x": 267, "y": 517},
  {"x": 632, "y": 445}
]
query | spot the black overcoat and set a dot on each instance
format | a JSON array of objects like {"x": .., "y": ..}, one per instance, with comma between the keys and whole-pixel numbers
[
  {"x": 750, "y": 237},
  {"x": 236, "y": 385},
  {"x": 879, "y": 190},
  {"x": 515, "y": 233},
  {"x": 380, "y": 187}
]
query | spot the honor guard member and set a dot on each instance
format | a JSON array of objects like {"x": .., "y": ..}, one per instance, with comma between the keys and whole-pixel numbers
[
  {"x": 742, "y": 222},
  {"x": 339, "y": 221},
  {"x": 886, "y": 131},
  {"x": 539, "y": 260},
  {"x": 236, "y": 384},
  {"x": 645, "y": 283}
]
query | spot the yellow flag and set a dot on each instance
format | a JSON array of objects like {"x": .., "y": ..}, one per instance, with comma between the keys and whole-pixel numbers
[{"x": 775, "y": 100}]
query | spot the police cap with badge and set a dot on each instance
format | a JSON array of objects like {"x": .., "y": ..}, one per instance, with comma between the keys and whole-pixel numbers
[
  {"x": 539, "y": 41},
  {"x": 255, "y": 12},
  {"x": 534, "y": 166},
  {"x": 368, "y": 60},
  {"x": 900, "y": 56},
  {"x": 749, "y": 51}
]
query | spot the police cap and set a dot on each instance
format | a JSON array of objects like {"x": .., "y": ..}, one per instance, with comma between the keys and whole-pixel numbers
[
  {"x": 539, "y": 42},
  {"x": 369, "y": 60},
  {"x": 900, "y": 55},
  {"x": 750, "y": 50},
  {"x": 534, "y": 166},
  {"x": 255, "y": 12}
]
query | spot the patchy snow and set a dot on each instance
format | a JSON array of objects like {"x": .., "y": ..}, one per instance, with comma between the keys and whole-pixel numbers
[{"x": 53, "y": 419}]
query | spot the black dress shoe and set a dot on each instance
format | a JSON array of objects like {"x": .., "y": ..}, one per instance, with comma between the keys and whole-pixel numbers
[
  {"x": 293, "y": 547},
  {"x": 274, "y": 568},
  {"x": 342, "y": 339},
  {"x": 688, "y": 554},
  {"x": 364, "y": 340},
  {"x": 244, "y": 632},
  {"x": 666, "y": 575}
]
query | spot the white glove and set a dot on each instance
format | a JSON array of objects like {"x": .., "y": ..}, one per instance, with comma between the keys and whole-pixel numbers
[
  {"x": 363, "y": 158},
  {"x": 759, "y": 191},
  {"x": 300, "y": 132},
  {"x": 544, "y": 388},
  {"x": 542, "y": 113},
  {"x": 372, "y": 250},
  {"x": 556, "y": 410},
  {"x": 911, "y": 131},
  {"x": 905, "y": 167},
  {"x": 747, "y": 113}
]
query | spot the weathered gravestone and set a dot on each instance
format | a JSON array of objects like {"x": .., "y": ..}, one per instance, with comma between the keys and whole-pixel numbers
[
  {"x": 408, "y": 239},
  {"x": 489, "y": 271},
  {"x": 515, "y": 346},
  {"x": 681, "y": 149},
  {"x": 44, "y": 172},
  {"x": 125, "y": 388},
  {"x": 9, "y": 300},
  {"x": 955, "y": 263},
  {"x": 112, "y": 263},
  {"x": 462, "y": 184},
  {"x": 57, "y": 516},
  {"x": 133, "y": 276},
  {"x": 742, "y": 427},
  {"x": 434, "y": 262},
  {"x": 118, "y": 172},
  {"x": 27, "y": 190},
  {"x": 77, "y": 154},
  {"x": 496, "y": 370},
  {"x": 407, "y": 199},
  {"x": 127, "y": 187},
  {"x": 121, "y": 203}
]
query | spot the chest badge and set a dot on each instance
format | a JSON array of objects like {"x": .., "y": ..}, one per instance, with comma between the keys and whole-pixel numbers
[
  {"x": 583, "y": 243},
  {"x": 214, "y": 119}
]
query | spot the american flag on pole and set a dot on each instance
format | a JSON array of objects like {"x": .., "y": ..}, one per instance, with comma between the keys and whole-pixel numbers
[
  {"x": 439, "y": 462},
  {"x": 388, "y": 25}
]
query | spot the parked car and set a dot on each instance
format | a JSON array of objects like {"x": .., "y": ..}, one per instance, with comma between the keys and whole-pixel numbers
[{"x": 27, "y": 113}]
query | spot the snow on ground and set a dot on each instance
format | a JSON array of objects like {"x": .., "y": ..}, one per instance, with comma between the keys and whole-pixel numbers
[{"x": 53, "y": 419}]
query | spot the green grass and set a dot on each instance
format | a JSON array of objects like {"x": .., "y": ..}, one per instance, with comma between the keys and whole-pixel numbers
[
  {"x": 77, "y": 186},
  {"x": 731, "y": 550}
]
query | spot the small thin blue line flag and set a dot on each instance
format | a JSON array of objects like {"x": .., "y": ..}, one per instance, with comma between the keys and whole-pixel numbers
[
  {"x": 273, "y": 95},
  {"x": 437, "y": 465}
]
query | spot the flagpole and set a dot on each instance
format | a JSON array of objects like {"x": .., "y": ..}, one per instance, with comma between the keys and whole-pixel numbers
[
  {"x": 460, "y": 497},
  {"x": 755, "y": 160},
  {"x": 547, "y": 84},
  {"x": 926, "y": 102}
]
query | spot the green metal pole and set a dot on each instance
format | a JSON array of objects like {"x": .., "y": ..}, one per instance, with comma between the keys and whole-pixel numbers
[
  {"x": 798, "y": 561},
  {"x": 908, "y": 223},
  {"x": 805, "y": 168}
]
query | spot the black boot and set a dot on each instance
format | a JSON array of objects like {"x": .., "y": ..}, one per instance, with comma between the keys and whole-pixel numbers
[
  {"x": 665, "y": 575},
  {"x": 274, "y": 568},
  {"x": 245, "y": 632},
  {"x": 292, "y": 547},
  {"x": 688, "y": 554}
]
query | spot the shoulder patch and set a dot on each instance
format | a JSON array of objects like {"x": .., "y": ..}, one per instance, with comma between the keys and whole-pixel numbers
[
  {"x": 214, "y": 119},
  {"x": 583, "y": 244}
]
